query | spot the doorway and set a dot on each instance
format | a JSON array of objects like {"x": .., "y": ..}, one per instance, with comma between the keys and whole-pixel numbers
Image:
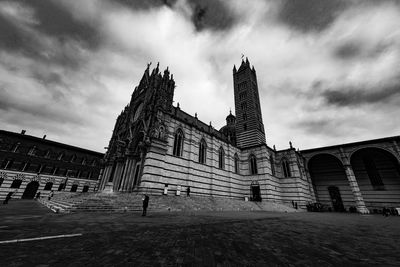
[
  {"x": 336, "y": 198},
  {"x": 30, "y": 190},
  {"x": 255, "y": 191}
]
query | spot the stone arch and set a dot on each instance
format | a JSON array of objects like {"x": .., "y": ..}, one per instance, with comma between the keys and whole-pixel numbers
[
  {"x": 30, "y": 190},
  {"x": 327, "y": 172},
  {"x": 309, "y": 157},
  {"x": 85, "y": 189},
  {"x": 350, "y": 154},
  {"x": 74, "y": 188},
  {"x": 377, "y": 172}
]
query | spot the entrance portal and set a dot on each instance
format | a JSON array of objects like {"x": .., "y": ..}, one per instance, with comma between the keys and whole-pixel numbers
[
  {"x": 255, "y": 191},
  {"x": 337, "y": 202},
  {"x": 30, "y": 190}
]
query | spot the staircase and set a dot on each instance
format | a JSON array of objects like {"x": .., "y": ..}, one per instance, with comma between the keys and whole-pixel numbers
[{"x": 66, "y": 202}]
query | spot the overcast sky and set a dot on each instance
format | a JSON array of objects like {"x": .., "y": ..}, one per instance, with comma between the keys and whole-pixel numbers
[{"x": 328, "y": 71}]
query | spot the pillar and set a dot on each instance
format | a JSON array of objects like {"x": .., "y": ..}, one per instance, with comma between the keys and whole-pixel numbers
[
  {"x": 117, "y": 175},
  {"x": 397, "y": 148},
  {"x": 127, "y": 174},
  {"x": 131, "y": 179},
  {"x": 105, "y": 177},
  {"x": 360, "y": 204}
]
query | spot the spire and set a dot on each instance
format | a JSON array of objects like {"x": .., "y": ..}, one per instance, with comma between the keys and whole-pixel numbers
[
  {"x": 166, "y": 73},
  {"x": 157, "y": 68},
  {"x": 247, "y": 62}
]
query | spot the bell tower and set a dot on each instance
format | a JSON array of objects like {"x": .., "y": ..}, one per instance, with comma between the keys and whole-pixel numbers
[{"x": 249, "y": 123}]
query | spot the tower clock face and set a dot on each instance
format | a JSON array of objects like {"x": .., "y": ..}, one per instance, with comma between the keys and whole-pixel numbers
[{"x": 137, "y": 112}]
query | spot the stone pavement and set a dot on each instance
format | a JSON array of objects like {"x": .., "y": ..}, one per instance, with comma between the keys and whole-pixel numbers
[{"x": 197, "y": 238}]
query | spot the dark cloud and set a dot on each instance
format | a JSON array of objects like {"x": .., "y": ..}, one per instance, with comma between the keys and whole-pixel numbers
[
  {"x": 145, "y": 4},
  {"x": 59, "y": 22},
  {"x": 358, "y": 49},
  {"x": 55, "y": 22},
  {"x": 43, "y": 109},
  {"x": 206, "y": 14},
  {"x": 325, "y": 127},
  {"x": 310, "y": 15},
  {"x": 16, "y": 39},
  {"x": 348, "y": 50},
  {"x": 211, "y": 14},
  {"x": 360, "y": 96}
]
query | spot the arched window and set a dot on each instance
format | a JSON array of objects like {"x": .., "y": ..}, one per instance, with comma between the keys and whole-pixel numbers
[
  {"x": 1, "y": 181},
  {"x": 286, "y": 168},
  {"x": 236, "y": 161},
  {"x": 85, "y": 189},
  {"x": 48, "y": 186},
  {"x": 253, "y": 164},
  {"x": 73, "y": 158},
  {"x": 221, "y": 157},
  {"x": 272, "y": 163},
  {"x": 178, "y": 143},
  {"x": 202, "y": 151}
]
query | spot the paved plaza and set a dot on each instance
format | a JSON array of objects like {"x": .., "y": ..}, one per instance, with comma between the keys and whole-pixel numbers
[{"x": 196, "y": 239}]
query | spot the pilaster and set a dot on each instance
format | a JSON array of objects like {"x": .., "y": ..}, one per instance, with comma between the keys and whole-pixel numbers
[{"x": 360, "y": 204}]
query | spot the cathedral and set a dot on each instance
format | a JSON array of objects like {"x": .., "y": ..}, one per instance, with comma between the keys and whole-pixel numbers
[{"x": 157, "y": 148}]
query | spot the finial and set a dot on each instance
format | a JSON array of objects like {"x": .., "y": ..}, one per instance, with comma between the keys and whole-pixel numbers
[
  {"x": 210, "y": 124},
  {"x": 195, "y": 115},
  {"x": 247, "y": 61},
  {"x": 177, "y": 105},
  {"x": 230, "y": 111},
  {"x": 274, "y": 148},
  {"x": 148, "y": 65},
  {"x": 290, "y": 143}
]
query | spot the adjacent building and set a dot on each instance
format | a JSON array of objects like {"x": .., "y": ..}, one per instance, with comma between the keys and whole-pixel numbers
[{"x": 30, "y": 165}]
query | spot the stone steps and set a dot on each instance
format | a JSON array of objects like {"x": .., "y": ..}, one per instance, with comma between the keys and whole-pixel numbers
[{"x": 128, "y": 202}]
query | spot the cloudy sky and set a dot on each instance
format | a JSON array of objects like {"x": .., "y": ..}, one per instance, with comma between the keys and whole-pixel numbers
[{"x": 328, "y": 71}]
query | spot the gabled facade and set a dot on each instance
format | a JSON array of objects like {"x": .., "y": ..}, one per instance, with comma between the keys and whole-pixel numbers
[{"x": 156, "y": 146}]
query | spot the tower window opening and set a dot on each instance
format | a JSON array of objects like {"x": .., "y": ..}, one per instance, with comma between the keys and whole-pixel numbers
[
  {"x": 286, "y": 168},
  {"x": 253, "y": 165}
]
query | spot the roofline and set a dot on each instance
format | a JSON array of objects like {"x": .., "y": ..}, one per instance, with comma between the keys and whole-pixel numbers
[
  {"x": 50, "y": 142},
  {"x": 384, "y": 139}
]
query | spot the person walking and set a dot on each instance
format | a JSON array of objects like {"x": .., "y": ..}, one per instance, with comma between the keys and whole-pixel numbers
[
  {"x": 8, "y": 197},
  {"x": 51, "y": 194},
  {"x": 145, "y": 204}
]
